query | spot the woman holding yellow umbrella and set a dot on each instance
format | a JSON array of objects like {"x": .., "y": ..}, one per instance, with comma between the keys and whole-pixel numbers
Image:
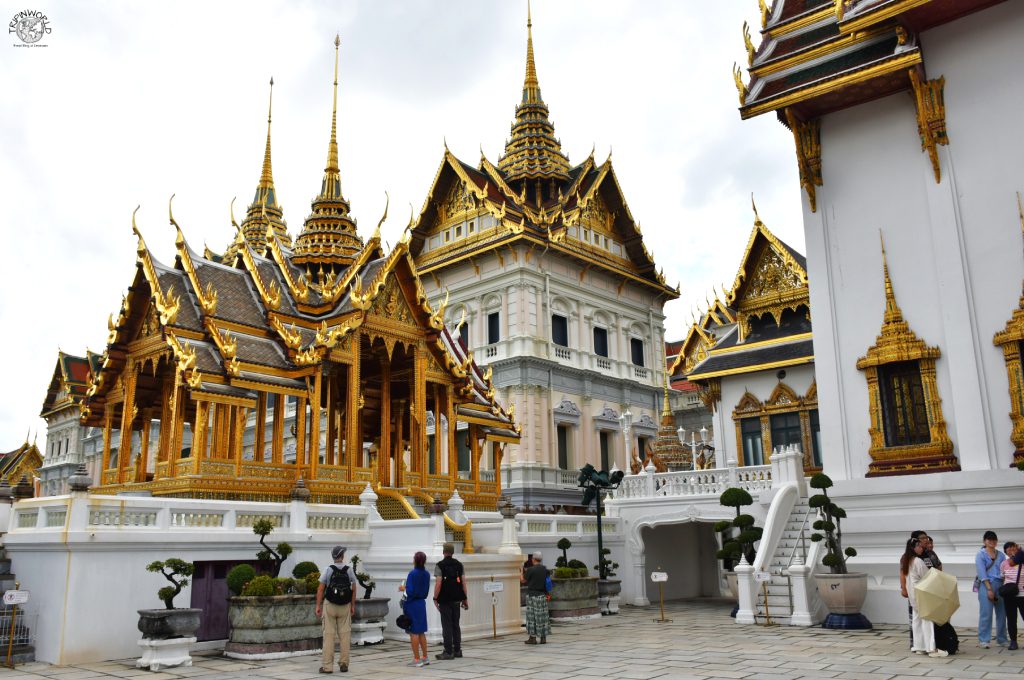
[{"x": 914, "y": 568}]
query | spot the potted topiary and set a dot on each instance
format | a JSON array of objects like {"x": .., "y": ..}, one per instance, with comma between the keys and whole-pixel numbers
[
  {"x": 738, "y": 536},
  {"x": 371, "y": 612},
  {"x": 167, "y": 633},
  {"x": 574, "y": 595},
  {"x": 842, "y": 592},
  {"x": 609, "y": 587}
]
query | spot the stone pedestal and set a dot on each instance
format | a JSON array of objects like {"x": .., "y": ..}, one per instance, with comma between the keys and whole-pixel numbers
[
  {"x": 167, "y": 653},
  {"x": 367, "y": 632}
]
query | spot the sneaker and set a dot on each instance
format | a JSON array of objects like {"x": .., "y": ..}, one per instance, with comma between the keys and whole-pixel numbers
[
  {"x": 531, "y": 640},
  {"x": 343, "y": 667},
  {"x": 920, "y": 651},
  {"x": 1003, "y": 643},
  {"x": 444, "y": 656},
  {"x": 414, "y": 663},
  {"x": 1013, "y": 646},
  {"x": 984, "y": 645},
  {"x": 938, "y": 653},
  {"x": 423, "y": 662},
  {"x": 325, "y": 670}
]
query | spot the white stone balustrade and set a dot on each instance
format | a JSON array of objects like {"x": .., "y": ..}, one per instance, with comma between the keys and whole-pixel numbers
[
  {"x": 753, "y": 478},
  {"x": 531, "y": 525}
]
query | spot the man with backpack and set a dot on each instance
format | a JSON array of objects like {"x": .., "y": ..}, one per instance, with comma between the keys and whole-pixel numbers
[
  {"x": 337, "y": 586},
  {"x": 450, "y": 595}
]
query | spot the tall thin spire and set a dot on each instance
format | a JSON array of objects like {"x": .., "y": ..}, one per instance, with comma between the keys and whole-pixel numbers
[
  {"x": 533, "y": 151},
  {"x": 267, "y": 176},
  {"x": 531, "y": 85},
  {"x": 329, "y": 237},
  {"x": 893, "y": 313},
  {"x": 264, "y": 208}
]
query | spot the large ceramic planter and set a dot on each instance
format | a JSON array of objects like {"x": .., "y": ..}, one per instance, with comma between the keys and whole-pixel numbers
[
  {"x": 273, "y": 627},
  {"x": 370, "y": 619},
  {"x": 608, "y": 596},
  {"x": 844, "y": 596},
  {"x": 162, "y": 624},
  {"x": 167, "y": 635},
  {"x": 574, "y": 598}
]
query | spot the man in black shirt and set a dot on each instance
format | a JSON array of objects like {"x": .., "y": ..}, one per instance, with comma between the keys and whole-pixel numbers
[
  {"x": 538, "y": 621},
  {"x": 450, "y": 595}
]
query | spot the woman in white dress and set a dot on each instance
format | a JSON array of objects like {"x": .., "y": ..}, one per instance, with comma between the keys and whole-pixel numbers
[{"x": 914, "y": 568}]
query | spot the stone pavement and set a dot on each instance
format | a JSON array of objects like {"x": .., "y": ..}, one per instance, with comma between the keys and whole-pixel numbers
[{"x": 701, "y": 642}]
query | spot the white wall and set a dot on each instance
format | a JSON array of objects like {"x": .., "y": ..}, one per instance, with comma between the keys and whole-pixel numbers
[
  {"x": 954, "y": 249},
  {"x": 686, "y": 552}
]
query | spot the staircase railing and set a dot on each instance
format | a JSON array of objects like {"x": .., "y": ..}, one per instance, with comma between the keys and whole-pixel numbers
[{"x": 802, "y": 540}]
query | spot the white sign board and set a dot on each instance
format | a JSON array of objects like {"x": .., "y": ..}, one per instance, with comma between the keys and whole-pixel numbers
[
  {"x": 493, "y": 586},
  {"x": 15, "y": 597},
  {"x": 659, "y": 576},
  {"x": 762, "y": 576}
]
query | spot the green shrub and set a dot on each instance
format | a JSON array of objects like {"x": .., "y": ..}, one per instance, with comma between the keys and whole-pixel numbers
[
  {"x": 261, "y": 586},
  {"x": 284, "y": 585},
  {"x": 312, "y": 581},
  {"x": 563, "y": 572},
  {"x": 576, "y": 564},
  {"x": 563, "y": 544},
  {"x": 239, "y": 576},
  {"x": 303, "y": 568},
  {"x": 830, "y": 524}
]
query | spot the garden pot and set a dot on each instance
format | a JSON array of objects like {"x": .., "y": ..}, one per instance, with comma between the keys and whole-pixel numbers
[
  {"x": 273, "y": 626},
  {"x": 370, "y": 620},
  {"x": 574, "y": 598},
  {"x": 162, "y": 624},
  {"x": 844, "y": 596},
  {"x": 608, "y": 596}
]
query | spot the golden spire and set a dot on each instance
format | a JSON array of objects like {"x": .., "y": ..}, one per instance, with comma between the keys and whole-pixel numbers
[
  {"x": 332, "y": 174},
  {"x": 666, "y": 410},
  {"x": 329, "y": 235},
  {"x": 893, "y": 313},
  {"x": 531, "y": 85},
  {"x": 533, "y": 152},
  {"x": 267, "y": 176}
]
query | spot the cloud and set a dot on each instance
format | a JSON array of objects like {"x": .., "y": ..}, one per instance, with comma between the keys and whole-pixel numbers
[{"x": 132, "y": 102}]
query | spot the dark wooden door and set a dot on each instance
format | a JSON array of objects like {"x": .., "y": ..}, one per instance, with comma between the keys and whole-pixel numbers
[{"x": 210, "y": 593}]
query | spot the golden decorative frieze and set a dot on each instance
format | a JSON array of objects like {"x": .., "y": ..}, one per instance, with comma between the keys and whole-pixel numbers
[
  {"x": 1011, "y": 340},
  {"x": 807, "y": 136},
  {"x": 931, "y": 116}
]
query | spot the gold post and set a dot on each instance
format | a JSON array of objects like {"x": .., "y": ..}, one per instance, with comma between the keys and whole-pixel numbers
[{"x": 10, "y": 635}]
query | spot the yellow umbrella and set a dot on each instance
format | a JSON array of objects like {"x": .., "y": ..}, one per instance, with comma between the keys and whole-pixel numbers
[{"x": 937, "y": 596}]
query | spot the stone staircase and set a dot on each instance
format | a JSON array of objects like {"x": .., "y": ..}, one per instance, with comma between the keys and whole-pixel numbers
[
  {"x": 23, "y": 651},
  {"x": 780, "y": 588}
]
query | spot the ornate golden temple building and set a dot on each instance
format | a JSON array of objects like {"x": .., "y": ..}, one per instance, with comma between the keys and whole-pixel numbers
[{"x": 330, "y": 331}]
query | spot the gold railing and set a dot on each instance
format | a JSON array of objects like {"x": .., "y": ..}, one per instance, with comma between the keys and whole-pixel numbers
[
  {"x": 461, "y": 532},
  {"x": 393, "y": 505}
]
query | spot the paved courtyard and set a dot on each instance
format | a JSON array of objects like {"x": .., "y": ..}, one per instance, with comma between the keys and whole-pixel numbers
[{"x": 701, "y": 642}]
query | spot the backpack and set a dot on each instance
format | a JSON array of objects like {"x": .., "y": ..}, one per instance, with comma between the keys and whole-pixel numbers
[
  {"x": 339, "y": 588},
  {"x": 451, "y": 581},
  {"x": 946, "y": 638}
]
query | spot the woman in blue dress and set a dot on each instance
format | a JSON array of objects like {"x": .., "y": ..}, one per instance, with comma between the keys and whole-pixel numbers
[{"x": 417, "y": 589}]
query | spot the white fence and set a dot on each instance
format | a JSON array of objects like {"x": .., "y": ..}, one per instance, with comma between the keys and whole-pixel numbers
[{"x": 753, "y": 478}]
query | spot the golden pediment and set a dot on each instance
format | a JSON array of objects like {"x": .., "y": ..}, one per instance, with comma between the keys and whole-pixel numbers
[
  {"x": 391, "y": 304},
  {"x": 596, "y": 215},
  {"x": 457, "y": 202},
  {"x": 770, "y": 279}
]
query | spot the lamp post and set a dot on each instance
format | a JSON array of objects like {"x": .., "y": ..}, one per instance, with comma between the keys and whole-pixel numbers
[
  {"x": 626, "y": 419},
  {"x": 594, "y": 483},
  {"x": 693, "y": 444}
]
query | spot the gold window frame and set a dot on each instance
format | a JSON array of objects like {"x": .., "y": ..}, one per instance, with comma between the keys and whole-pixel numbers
[
  {"x": 896, "y": 342},
  {"x": 783, "y": 399},
  {"x": 1010, "y": 339}
]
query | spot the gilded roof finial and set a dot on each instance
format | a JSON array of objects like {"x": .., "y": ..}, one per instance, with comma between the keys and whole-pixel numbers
[
  {"x": 135, "y": 230},
  {"x": 267, "y": 176},
  {"x": 387, "y": 202},
  {"x": 892, "y": 309},
  {"x": 232, "y": 209},
  {"x": 531, "y": 85},
  {"x": 1020, "y": 212},
  {"x": 666, "y": 410},
  {"x": 332, "y": 149},
  {"x": 757, "y": 218}
]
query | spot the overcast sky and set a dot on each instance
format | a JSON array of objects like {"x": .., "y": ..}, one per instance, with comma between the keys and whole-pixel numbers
[{"x": 130, "y": 102}]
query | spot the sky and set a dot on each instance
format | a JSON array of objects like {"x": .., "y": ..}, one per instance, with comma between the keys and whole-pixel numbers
[{"x": 130, "y": 102}]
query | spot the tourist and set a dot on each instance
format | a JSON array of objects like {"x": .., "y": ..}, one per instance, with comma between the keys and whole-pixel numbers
[
  {"x": 1011, "y": 569},
  {"x": 451, "y": 597},
  {"x": 931, "y": 560},
  {"x": 416, "y": 589},
  {"x": 538, "y": 621},
  {"x": 913, "y": 567},
  {"x": 988, "y": 563},
  {"x": 337, "y": 586}
]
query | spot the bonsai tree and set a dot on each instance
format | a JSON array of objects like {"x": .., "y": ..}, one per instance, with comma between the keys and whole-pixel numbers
[
  {"x": 829, "y": 524},
  {"x": 563, "y": 544},
  {"x": 594, "y": 483},
  {"x": 742, "y": 534},
  {"x": 177, "y": 572},
  {"x": 724, "y": 530},
  {"x": 262, "y": 528},
  {"x": 364, "y": 579},
  {"x": 605, "y": 565}
]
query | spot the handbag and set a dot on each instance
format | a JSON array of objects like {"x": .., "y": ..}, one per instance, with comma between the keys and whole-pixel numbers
[{"x": 1010, "y": 589}]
